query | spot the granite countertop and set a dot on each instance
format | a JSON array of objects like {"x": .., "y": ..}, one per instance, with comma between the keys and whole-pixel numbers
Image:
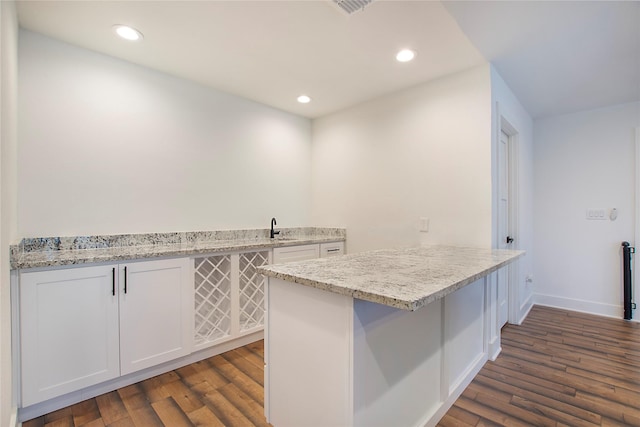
[
  {"x": 402, "y": 278},
  {"x": 60, "y": 251}
]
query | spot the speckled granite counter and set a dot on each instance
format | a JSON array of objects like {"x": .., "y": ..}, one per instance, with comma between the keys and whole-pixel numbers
[
  {"x": 59, "y": 251},
  {"x": 365, "y": 325},
  {"x": 401, "y": 278}
]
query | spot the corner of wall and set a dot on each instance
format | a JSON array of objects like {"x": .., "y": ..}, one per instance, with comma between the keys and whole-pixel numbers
[
  {"x": 8, "y": 161},
  {"x": 363, "y": 158}
]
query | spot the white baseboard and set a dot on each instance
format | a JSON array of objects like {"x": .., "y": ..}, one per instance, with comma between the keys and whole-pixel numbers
[
  {"x": 13, "y": 419},
  {"x": 590, "y": 307},
  {"x": 494, "y": 348},
  {"x": 525, "y": 308},
  {"x": 455, "y": 393}
]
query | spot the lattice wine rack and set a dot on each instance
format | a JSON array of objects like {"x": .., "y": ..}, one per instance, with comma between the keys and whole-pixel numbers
[
  {"x": 212, "y": 298},
  {"x": 229, "y": 296},
  {"x": 251, "y": 290}
]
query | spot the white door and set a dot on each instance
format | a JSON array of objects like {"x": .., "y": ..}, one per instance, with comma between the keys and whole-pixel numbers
[
  {"x": 505, "y": 240},
  {"x": 156, "y": 313},
  {"x": 69, "y": 330}
]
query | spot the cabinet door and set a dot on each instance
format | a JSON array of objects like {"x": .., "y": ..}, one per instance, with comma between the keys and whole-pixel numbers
[
  {"x": 331, "y": 249},
  {"x": 156, "y": 313},
  {"x": 295, "y": 253},
  {"x": 69, "y": 330}
]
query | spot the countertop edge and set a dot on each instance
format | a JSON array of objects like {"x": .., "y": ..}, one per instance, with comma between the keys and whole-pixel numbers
[
  {"x": 32, "y": 260},
  {"x": 409, "y": 305},
  {"x": 461, "y": 284}
]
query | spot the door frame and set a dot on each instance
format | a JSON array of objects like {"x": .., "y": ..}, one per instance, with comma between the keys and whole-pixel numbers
[
  {"x": 505, "y": 125},
  {"x": 514, "y": 226}
]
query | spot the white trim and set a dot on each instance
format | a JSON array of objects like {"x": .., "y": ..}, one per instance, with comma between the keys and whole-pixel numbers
[
  {"x": 235, "y": 293},
  {"x": 514, "y": 224},
  {"x": 503, "y": 124},
  {"x": 13, "y": 418},
  {"x": 495, "y": 148},
  {"x": 468, "y": 375},
  {"x": 444, "y": 365},
  {"x": 16, "y": 367},
  {"x": 447, "y": 403},
  {"x": 492, "y": 335},
  {"x": 351, "y": 345},
  {"x": 525, "y": 308},
  {"x": 590, "y": 307},
  {"x": 495, "y": 348}
]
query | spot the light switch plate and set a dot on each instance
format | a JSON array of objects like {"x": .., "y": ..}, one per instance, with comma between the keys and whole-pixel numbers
[{"x": 597, "y": 214}]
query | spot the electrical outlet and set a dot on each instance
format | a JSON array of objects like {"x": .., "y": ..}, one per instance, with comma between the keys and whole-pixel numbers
[{"x": 424, "y": 224}]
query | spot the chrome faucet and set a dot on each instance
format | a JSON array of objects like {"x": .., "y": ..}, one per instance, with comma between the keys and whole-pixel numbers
[{"x": 273, "y": 232}]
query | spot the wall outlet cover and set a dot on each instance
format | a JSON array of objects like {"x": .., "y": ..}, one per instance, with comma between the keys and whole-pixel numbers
[
  {"x": 596, "y": 214},
  {"x": 424, "y": 224}
]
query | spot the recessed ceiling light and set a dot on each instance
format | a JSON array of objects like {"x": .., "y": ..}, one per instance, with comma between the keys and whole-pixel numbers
[
  {"x": 127, "y": 33},
  {"x": 304, "y": 99},
  {"x": 405, "y": 55}
]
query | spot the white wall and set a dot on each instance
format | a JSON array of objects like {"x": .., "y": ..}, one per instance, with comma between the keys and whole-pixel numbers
[
  {"x": 8, "y": 147},
  {"x": 422, "y": 152},
  {"x": 582, "y": 161},
  {"x": 109, "y": 147},
  {"x": 507, "y": 107}
]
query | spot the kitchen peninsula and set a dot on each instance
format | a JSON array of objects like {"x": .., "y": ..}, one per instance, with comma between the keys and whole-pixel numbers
[{"x": 381, "y": 338}]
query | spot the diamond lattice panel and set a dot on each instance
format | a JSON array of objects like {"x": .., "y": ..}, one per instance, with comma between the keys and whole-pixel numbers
[
  {"x": 252, "y": 290},
  {"x": 212, "y": 298}
]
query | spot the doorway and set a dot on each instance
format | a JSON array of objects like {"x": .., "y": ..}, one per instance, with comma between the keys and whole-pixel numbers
[{"x": 507, "y": 293}]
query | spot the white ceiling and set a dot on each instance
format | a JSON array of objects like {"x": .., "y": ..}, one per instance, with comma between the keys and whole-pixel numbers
[{"x": 557, "y": 57}]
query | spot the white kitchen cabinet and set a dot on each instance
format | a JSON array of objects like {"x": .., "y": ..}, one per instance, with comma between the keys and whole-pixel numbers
[
  {"x": 229, "y": 297},
  {"x": 69, "y": 330},
  {"x": 82, "y": 326},
  {"x": 155, "y": 313},
  {"x": 229, "y": 293},
  {"x": 331, "y": 249},
  {"x": 295, "y": 253}
]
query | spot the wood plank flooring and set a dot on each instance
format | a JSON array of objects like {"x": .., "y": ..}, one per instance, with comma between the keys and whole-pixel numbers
[
  {"x": 559, "y": 368},
  {"x": 224, "y": 390}
]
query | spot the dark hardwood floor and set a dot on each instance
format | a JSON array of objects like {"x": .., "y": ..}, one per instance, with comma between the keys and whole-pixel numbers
[
  {"x": 224, "y": 390},
  {"x": 558, "y": 368}
]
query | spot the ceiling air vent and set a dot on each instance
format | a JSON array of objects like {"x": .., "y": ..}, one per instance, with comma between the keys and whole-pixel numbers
[{"x": 351, "y": 6}]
